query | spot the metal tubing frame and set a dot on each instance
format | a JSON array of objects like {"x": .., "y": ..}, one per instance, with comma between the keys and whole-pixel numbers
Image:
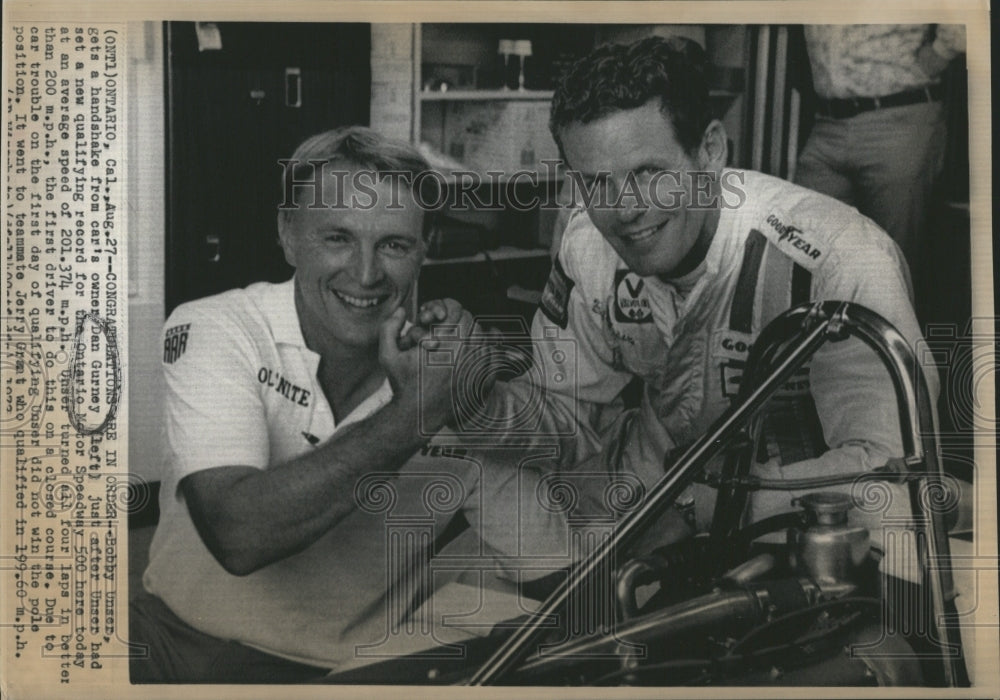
[{"x": 809, "y": 326}]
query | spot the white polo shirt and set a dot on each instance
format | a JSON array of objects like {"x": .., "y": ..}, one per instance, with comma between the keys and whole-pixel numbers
[{"x": 241, "y": 389}]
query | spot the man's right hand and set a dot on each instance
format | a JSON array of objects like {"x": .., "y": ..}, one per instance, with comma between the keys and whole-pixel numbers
[{"x": 426, "y": 389}]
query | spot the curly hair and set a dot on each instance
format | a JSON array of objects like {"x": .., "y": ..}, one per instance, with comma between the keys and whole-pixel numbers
[{"x": 617, "y": 77}]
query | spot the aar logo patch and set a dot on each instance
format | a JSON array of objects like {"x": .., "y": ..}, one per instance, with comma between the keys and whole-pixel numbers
[
  {"x": 555, "y": 296},
  {"x": 631, "y": 302},
  {"x": 175, "y": 343}
]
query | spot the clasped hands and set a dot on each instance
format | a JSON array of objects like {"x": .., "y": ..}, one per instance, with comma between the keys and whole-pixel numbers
[{"x": 424, "y": 362}]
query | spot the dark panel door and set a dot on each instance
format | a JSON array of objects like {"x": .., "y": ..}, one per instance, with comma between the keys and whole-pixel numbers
[{"x": 232, "y": 114}]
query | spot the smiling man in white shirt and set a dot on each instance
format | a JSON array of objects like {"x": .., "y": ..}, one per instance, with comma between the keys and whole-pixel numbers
[{"x": 297, "y": 423}]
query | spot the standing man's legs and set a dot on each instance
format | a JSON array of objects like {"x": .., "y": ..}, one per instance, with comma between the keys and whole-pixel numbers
[
  {"x": 822, "y": 166},
  {"x": 900, "y": 153}
]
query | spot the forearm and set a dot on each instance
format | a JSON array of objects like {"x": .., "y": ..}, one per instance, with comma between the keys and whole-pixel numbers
[
  {"x": 250, "y": 517},
  {"x": 934, "y": 56},
  {"x": 950, "y": 40},
  {"x": 873, "y": 500},
  {"x": 556, "y": 418}
]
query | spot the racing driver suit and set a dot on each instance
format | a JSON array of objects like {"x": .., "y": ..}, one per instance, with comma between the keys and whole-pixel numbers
[{"x": 687, "y": 340}]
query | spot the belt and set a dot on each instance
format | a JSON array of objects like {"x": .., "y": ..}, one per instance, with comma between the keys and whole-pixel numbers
[{"x": 847, "y": 107}]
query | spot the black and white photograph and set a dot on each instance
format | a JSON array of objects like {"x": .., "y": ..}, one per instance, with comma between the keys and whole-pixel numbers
[{"x": 615, "y": 348}]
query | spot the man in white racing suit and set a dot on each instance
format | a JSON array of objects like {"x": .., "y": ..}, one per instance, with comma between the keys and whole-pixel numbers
[{"x": 670, "y": 270}]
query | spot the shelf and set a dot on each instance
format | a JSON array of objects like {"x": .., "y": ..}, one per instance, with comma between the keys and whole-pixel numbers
[
  {"x": 502, "y": 253},
  {"x": 483, "y": 95},
  {"x": 489, "y": 95}
]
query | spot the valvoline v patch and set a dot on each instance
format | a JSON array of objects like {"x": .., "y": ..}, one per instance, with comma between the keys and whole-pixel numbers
[{"x": 631, "y": 301}]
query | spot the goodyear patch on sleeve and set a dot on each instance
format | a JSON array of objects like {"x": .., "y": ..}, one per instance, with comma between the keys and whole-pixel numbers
[
  {"x": 795, "y": 242},
  {"x": 555, "y": 296}
]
